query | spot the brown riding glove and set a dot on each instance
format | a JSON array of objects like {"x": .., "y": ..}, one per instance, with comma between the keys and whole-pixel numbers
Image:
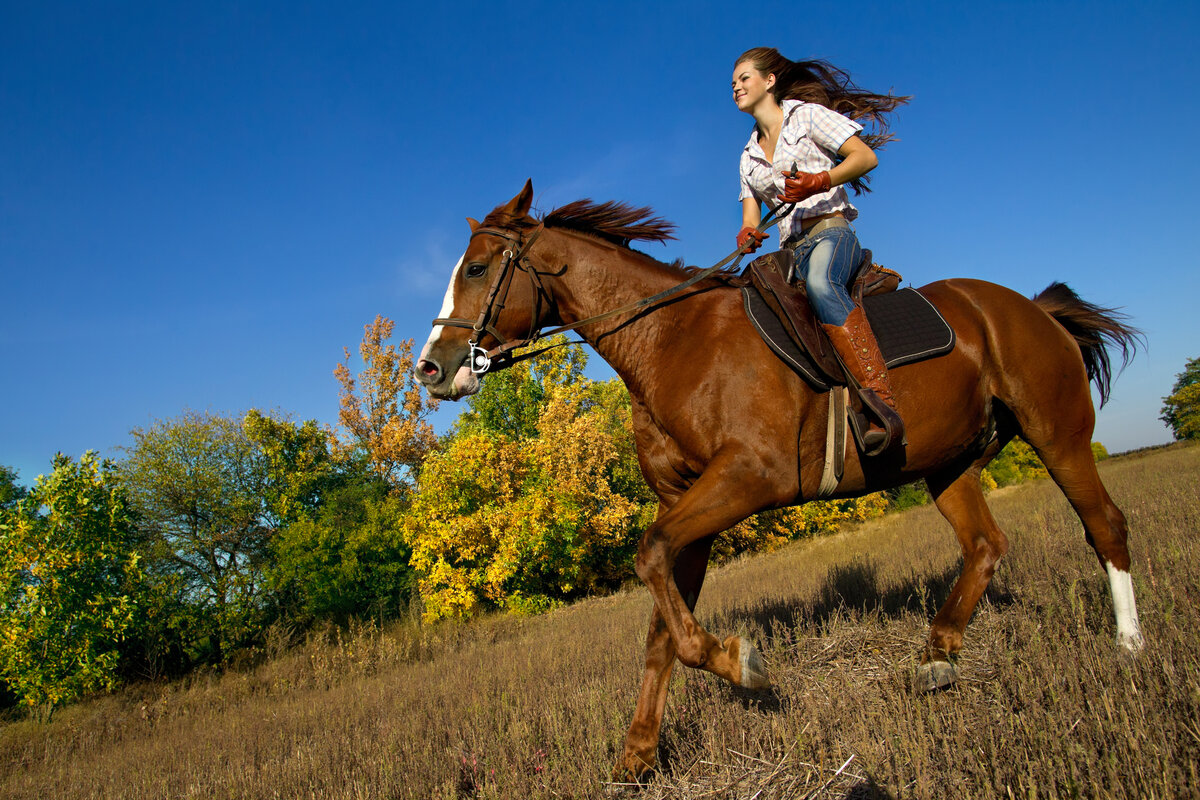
[
  {"x": 799, "y": 186},
  {"x": 749, "y": 238}
]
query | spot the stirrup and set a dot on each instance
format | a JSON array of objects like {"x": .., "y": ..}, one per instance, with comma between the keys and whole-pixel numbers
[
  {"x": 877, "y": 440},
  {"x": 867, "y": 436}
]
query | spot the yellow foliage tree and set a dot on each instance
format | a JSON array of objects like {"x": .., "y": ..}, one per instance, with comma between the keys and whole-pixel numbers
[
  {"x": 773, "y": 529},
  {"x": 383, "y": 411},
  {"x": 523, "y": 524},
  {"x": 1016, "y": 463},
  {"x": 69, "y": 581},
  {"x": 1181, "y": 408},
  {"x": 1184, "y": 409}
]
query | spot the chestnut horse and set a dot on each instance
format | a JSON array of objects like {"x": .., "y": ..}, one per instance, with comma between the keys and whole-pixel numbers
[{"x": 724, "y": 429}]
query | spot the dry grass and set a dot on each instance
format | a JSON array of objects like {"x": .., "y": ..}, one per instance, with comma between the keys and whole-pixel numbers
[{"x": 1047, "y": 705}]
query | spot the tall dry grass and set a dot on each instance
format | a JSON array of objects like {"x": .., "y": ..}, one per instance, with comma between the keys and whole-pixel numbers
[{"x": 1047, "y": 705}]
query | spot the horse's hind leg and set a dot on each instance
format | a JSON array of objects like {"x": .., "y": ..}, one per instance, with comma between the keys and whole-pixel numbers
[
  {"x": 1071, "y": 463},
  {"x": 959, "y": 496}
]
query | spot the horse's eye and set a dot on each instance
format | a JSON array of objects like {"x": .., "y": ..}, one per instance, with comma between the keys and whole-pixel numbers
[{"x": 475, "y": 270}]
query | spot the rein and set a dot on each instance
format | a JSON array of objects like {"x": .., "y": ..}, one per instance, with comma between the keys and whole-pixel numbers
[{"x": 501, "y": 356}]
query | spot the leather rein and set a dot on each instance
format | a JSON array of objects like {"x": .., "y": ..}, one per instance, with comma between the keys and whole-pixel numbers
[{"x": 501, "y": 356}]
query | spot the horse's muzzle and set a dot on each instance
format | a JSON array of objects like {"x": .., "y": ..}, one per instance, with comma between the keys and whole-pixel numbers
[{"x": 446, "y": 384}]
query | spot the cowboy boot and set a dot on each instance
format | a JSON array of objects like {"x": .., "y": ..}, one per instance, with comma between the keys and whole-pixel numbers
[{"x": 859, "y": 353}]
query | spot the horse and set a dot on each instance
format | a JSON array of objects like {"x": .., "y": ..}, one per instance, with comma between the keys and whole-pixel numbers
[{"x": 725, "y": 430}]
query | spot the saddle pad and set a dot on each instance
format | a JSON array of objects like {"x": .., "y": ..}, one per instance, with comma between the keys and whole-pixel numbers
[{"x": 907, "y": 326}]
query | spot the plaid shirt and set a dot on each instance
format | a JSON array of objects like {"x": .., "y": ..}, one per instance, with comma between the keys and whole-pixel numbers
[{"x": 810, "y": 138}]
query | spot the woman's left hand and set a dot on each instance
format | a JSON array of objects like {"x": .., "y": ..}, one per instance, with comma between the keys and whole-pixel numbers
[{"x": 799, "y": 186}]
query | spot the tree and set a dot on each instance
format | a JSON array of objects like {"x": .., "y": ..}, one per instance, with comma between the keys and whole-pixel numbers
[
  {"x": 10, "y": 492},
  {"x": 771, "y": 529},
  {"x": 300, "y": 465},
  {"x": 1016, "y": 463},
  {"x": 337, "y": 551},
  {"x": 10, "y": 495},
  {"x": 69, "y": 579},
  {"x": 511, "y": 402},
  {"x": 1181, "y": 408},
  {"x": 524, "y": 523},
  {"x": 611, "y": 407},
  {"x": 384, "y": 412},
  {"x": 198, "y": 483},
  {"x": 348, "y": 560}
]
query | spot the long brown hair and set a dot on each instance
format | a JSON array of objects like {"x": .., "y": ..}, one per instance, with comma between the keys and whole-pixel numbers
[{"x": 818, "y": 81}]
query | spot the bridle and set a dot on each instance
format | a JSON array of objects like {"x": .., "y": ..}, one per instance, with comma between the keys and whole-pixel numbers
[{"x": 501, "y": 356}]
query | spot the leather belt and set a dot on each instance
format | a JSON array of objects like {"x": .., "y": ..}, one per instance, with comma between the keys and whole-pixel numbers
[{"x": 823, "y": 225}]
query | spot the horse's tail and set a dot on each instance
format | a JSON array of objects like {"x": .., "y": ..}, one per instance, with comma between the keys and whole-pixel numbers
[{"x": 1094, "y": 329}]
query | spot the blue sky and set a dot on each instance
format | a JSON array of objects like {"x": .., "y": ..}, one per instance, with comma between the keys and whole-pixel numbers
[{"x": 201, "y": 204}]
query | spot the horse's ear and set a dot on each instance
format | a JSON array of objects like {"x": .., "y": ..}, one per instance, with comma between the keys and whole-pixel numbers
[
  {"x": 519, "y": 206},
  {"x": 474, "y": 223}
]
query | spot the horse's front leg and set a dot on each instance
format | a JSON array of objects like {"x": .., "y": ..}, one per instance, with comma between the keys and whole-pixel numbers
[
  {"x": 641, "y": 742},
  {"x": 732, "y": 487}
]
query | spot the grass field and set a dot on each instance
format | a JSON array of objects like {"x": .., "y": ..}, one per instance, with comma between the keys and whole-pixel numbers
[{"x": 1047, "y": 704}]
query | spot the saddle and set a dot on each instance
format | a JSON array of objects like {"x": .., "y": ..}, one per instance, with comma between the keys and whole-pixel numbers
[
  {"x": 770, "y": 274},
  {"x": 906, "y": 325}
]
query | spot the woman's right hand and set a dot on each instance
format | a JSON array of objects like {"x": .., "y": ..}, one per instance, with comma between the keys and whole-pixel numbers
[{"x": 749, "y": 238}]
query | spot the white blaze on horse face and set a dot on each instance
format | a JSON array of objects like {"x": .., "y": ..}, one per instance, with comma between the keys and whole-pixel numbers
[
  {"x": 1129, "y": 633},
  {"x": 447, "y": 309}
]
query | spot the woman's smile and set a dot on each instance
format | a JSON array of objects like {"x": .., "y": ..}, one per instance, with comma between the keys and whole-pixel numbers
[{"x": 749, "y": 86}]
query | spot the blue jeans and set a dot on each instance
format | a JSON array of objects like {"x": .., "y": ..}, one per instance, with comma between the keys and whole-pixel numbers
[{"x": 827, "y": 262}]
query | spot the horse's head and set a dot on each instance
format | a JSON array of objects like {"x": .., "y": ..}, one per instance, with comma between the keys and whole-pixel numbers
[{"x": 486, "y": 305}]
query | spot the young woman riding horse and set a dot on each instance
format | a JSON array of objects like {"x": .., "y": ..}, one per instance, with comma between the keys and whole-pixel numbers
[
  {"x": 700, "y": 378},
  {"x": 803, "y": 151}
]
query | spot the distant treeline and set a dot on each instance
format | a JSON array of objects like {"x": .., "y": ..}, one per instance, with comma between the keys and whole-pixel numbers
[{"x": 212, "y": 529}]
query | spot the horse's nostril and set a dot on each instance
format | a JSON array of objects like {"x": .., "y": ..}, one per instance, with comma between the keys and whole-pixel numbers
[{"x": 428, "y": 367}]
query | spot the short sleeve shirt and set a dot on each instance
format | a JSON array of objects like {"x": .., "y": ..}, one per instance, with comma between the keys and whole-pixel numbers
[{"x": 811, "y": 136}]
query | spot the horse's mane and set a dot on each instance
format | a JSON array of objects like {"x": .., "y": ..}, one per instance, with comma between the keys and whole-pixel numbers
[
  {"x": 617, "y": 223},
  {"x": 614, "y": 222}
]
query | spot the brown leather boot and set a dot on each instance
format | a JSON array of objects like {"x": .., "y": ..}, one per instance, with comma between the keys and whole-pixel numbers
[{"x": 859, "y": 353}]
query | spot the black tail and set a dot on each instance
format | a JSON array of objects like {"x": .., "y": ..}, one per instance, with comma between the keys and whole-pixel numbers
[{"x": 1094, "y": 329}]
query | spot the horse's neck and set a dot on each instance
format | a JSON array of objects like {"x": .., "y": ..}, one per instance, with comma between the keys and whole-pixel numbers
[{"x": 600, "y": 278}]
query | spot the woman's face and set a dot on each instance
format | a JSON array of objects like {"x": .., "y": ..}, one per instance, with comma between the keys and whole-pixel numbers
[{"x": 750, "y": 86}]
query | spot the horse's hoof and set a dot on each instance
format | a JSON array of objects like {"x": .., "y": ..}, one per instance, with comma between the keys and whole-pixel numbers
[
  {"x": 633, "y": 769},
  {"x": 754, "y": 672},
  {"x": 1133, "y": 642},
  {"x": 934, "y": 675}
]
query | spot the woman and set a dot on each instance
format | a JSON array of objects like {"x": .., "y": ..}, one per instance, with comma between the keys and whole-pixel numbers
[{"x": 804, "y": 149}]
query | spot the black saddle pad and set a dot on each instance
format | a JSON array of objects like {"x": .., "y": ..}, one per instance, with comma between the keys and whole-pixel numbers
[{"x": 907, "y": 326}]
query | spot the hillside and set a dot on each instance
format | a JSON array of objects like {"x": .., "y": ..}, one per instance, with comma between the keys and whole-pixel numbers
[{"x": 508, "y": 707}]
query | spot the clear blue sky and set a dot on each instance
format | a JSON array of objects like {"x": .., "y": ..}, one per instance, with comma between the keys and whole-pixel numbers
[{"x": 201, "y": 204}]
